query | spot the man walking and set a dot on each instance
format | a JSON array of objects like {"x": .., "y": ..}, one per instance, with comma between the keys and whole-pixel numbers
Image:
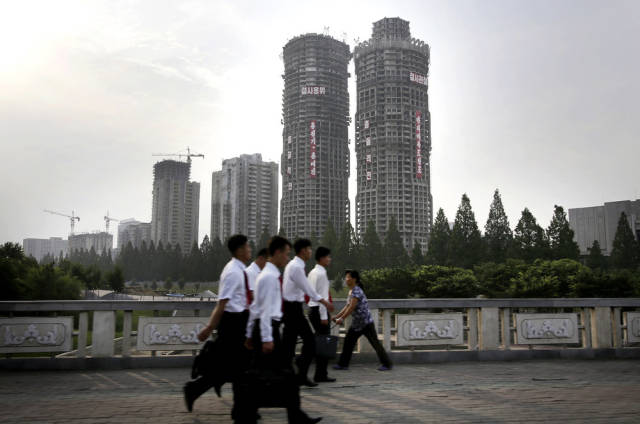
[
  {"x": 229, "y": 317},
  {"x": 263, "y": 337},
  {"x": 318, "y": 314},
  {"x": 294, "y": 288},
  {"x": 256, "y": 266}
]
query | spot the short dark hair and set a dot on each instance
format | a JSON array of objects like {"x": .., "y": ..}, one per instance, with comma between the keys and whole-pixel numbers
[
  {"x": 235, "y": 242},
  {"x": 277, "y": 243},
  {"x": 264, "y": 252},
  {"x": 321, "y": 252},
  {"x": 355, "y": 275},
  {"x": 301, "y": 244}
]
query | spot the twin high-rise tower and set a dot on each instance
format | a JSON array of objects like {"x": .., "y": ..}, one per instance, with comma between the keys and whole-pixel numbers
[
  {"x": 393, "y": 134},
  {"x": 315, "y": 155}
]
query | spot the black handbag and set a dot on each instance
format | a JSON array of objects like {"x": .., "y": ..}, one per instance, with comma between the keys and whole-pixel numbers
[
  {"x": 326, "y": 346},
  {"x": 203, "y": 362},
  {"x": 267, "y": 388}
]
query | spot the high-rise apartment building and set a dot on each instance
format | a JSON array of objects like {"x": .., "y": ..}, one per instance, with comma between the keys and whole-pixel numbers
[
  {"x": 99, "y": 241},
  {"x": 244, "y": 198},
  {"x": 315, "y": 153},
  {"x": 393, "y": 132},
  {"x": 601, "y": 223},
  {"x": 176, "y": 205},
  {"x": 134, "y": 232},
  {"x": 39, "y": 248}
]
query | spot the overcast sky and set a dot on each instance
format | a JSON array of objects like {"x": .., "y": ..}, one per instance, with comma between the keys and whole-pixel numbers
[{"x": 536, "y": 98}]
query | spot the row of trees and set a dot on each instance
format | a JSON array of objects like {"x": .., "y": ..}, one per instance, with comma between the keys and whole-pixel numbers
[
  {"x": 513, "y": 278},
  {"x": 464, "y": 246},
  {"x": 23, "y": 278}
]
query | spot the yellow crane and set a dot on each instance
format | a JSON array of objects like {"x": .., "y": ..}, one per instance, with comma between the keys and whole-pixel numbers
[{"x": 72, "y": 218}]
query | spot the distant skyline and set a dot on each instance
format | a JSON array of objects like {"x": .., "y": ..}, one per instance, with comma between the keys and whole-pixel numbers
[{"x": 538, "y": 99}]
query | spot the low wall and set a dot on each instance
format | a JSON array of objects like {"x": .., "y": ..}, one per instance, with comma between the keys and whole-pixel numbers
[{"x": 413, "y": 330}]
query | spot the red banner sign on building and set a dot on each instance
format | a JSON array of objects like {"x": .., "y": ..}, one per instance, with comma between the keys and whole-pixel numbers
[
  {"x": 419, "y": 144},
  {"x": 417, "y": 78},
  {"x": 312, "y": 132}
]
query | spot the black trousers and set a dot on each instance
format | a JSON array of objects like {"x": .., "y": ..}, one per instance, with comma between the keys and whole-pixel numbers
[
  {"x": 320, "y": 329},
  {"x": 369, "y": 331},
  {"x": 296, "y": 324},
  {"x": 231, "y": 334},
  {"x": 247, "y": 411}
]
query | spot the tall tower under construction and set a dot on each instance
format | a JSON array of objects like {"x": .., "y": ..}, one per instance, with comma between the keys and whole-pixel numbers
[
  {"x": 315, "y": 153},
  {"x": 393, "y": 132},
  {"x": 176, "y": 205}
]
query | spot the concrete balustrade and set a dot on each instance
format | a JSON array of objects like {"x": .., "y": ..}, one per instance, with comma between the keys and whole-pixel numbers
[{"x": 413, "y": 330}]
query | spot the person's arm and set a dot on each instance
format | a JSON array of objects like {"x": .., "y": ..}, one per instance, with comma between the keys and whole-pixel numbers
[
  {"x": 214, "y": 320},
  {"x": 346, "y": 311},
  {"x": 300, "y": 280},
  {"x": 323, "y": 283}
]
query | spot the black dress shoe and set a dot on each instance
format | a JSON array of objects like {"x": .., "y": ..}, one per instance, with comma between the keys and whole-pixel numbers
[
  {"x": 217, "y": 388},
  {"x": 324, "y": 380},
  {"x": 188, "y": 398},
  {"x": 314, "y": 420},
  {"x": 306, "y": 382}
]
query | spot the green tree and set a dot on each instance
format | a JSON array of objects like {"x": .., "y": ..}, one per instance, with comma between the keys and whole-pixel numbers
[
  {"x": 438, "y": 251},
  {"x": 395, "y": 255},
  {"x": 560, "y": 236},
  {"x": 624, "y": 254},
  {"x": 417, "y": 258},
  {"x": 440, "y": 281},
  {"x": 372, "y": 254},
  {"x": 466, "y": 242},
  {"x": 529, "y": 240},
  {"x": 115, "y": 278},
  {"x": 497, "y": 233},
  {"x": 595, "y": 259}
]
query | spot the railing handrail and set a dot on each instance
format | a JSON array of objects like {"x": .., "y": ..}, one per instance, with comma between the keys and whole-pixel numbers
[{"x": 167, "y": 305}]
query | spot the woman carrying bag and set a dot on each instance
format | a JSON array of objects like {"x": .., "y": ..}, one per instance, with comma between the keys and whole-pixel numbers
[{"x": 361, "y": 324}]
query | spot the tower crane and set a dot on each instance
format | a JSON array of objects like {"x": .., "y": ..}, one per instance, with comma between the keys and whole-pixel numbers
[
  {"x": 188, "y": 155},
  {"x": 72, "y": 218},
  {"x": 108, "y": 219}
]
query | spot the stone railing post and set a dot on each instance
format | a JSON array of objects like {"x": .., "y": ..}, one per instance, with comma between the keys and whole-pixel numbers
[
  {"x": 83, "y": 329},
  {"x": 126, "y": 333},
  {"x": 386, "y": 328},
  {"x": 489, "y": 328},
  {"x": 104, "y": 331},
  {"x": 601, "y": 327},
  {"x": 472, "y": 323}
]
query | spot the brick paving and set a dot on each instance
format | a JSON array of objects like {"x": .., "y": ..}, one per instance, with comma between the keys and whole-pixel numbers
[{"x": 489, "y": 392}]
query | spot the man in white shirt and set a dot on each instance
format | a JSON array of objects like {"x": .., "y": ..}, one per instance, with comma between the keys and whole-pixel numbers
[
  {"x": 229, "y": 317},
  {"x": 294, "y": 287},
  {"x": 263, "y": 333},
  {"x": 318, "y": 314},
  {"x": 256, "y": 266}
]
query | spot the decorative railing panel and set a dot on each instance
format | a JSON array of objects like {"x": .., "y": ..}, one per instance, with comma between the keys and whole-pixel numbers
[
  {"x": 547, "y": 328},
  {"x": 169, "y": 333},
  {"x": 430, "y": 329},
  {"x": 633, "y": 327},
  {"x": 36, "y": 334}
]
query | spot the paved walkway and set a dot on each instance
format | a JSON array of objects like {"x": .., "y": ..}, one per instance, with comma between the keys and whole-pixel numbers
[{"x": 491, "y": 392}]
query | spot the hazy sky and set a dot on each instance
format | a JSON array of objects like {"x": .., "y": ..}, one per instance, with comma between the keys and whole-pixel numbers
[{"x": 536, "y": 98}]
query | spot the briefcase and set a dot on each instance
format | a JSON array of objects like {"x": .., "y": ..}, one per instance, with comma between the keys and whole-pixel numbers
[
  {"x": 326, "y": 346},
  {"x": 260, "y": 388}
]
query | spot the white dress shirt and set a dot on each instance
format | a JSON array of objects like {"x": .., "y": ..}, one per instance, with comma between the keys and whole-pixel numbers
[
  {"x": 267, "y": 302},
  {"x": 319, "y": 281},
  {"x": 295, "y": 284},
  {"x": 252, "y": 272},
  {"x": 232, "y": 286}
]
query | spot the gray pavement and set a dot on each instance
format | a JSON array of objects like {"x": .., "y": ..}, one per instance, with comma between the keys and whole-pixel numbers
[{"x": 490, "y": 392}]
